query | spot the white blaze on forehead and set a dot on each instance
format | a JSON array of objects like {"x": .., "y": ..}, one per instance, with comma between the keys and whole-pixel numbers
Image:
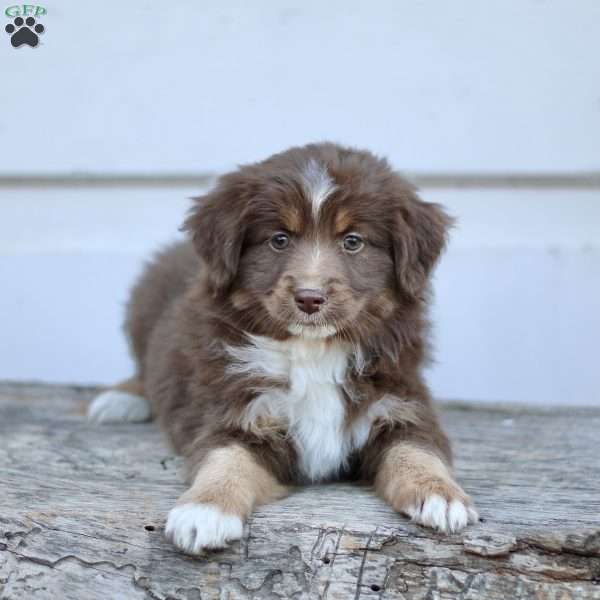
[{"x": 318, "y": 185}]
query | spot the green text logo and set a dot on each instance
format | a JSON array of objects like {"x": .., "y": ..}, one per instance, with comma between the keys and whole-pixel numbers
[{"x": 25, "y": 10}]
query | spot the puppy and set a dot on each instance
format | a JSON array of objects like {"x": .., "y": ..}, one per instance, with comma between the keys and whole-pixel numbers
[{"x": 284, "y": 343}]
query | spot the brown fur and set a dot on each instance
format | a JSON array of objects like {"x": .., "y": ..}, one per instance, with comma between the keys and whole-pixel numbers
[{"x": 193, "y": 299}]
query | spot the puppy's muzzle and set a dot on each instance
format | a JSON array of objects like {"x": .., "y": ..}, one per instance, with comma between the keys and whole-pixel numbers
[{"x": 309, "y": 301}]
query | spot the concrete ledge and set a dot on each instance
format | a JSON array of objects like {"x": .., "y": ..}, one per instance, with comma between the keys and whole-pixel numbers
[{"x": 577, "y": 180}]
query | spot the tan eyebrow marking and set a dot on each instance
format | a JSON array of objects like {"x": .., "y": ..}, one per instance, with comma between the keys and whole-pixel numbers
[
  {"x": 291, "y": 218},
  {"x": 343, "y": 220}
]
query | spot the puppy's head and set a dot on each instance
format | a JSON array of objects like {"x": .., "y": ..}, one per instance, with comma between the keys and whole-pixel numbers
[{"x": 317, "y": 241}]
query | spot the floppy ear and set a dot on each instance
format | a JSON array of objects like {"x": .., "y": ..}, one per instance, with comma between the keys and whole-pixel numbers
[
  {"x": 419, "y": 239},
  {"x": 216, "y": 224}
]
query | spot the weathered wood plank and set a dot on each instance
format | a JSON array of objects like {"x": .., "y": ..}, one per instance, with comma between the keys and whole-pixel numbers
[{"x": 82, "y": 509}]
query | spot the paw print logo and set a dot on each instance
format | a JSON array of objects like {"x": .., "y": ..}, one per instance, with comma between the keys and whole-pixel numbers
[{"x": 24, "y": 32}]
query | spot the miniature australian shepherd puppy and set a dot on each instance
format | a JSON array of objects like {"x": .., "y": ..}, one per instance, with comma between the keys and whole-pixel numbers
[{"x": 284, "y": 343}]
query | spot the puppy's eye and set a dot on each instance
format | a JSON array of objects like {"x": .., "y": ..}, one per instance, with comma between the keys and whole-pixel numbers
[
  {"x": 279, "y": 241},
  {"x": 353, "y": 243}
]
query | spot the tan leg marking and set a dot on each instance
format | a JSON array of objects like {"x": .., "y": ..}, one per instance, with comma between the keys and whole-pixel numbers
[
  {"x": 419, "y": 484},
  {"x": 232, "y": 479},
  {"x": 132, "y": 386}
]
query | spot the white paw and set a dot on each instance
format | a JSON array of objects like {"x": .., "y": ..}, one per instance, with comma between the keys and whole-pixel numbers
[
  {"x": 444, "y": 516},
  {"x": 193, "y": 527},
  {"x": 114, "y": 406}
]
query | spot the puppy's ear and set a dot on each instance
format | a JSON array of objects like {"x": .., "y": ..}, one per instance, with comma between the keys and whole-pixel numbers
[
  {"x": 216, "y": 224},
  {"x": 420, "y": 237}
]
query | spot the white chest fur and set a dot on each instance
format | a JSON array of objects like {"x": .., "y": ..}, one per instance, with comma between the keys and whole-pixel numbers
[{"x": 312, "y": 406}]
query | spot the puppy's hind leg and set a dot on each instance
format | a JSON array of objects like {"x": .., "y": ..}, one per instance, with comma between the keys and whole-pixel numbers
[{"x": 123, "y": 403}]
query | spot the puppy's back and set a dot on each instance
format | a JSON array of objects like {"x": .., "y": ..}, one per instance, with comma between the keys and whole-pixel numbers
[{"x": 164, "y": 279}]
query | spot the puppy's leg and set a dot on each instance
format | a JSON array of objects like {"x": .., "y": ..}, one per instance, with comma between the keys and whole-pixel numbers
[
  {"x": 417, "y": 482},
  {"x": 124, "y": 402},
  {"x": 227, "y": 486}
]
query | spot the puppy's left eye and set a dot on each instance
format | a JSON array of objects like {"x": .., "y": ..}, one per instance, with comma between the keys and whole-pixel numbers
[
  {"x": 353, "y": 243},
  {"x": 279, "y": 241}
]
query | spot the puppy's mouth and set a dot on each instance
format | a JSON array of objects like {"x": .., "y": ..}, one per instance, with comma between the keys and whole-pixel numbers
[{"x": 312, "y": 329}]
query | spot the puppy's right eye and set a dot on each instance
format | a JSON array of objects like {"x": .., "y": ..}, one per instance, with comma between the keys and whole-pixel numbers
[{"x": 279, "y": 241}]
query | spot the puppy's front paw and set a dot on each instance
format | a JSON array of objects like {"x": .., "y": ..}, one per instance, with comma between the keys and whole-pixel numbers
[
  {"x": 418, "y": 483},
  {"x": 444, "y": 514},
  {"x": 194, "y": 527}
]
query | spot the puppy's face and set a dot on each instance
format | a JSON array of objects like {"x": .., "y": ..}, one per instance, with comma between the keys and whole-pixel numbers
[
  {"x": 317, "y": 242},
  {"x": 316, "y": 265}
]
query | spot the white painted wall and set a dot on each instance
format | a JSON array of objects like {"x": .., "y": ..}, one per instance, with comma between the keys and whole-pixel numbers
[
  {"x": 149, "y": 86},
  {"x": 516, "y": 314},
  {"x": 198, "y": 87}
]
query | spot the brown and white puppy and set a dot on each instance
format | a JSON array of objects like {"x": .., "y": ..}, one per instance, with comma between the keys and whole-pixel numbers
[{"x": 285, "y": 344}]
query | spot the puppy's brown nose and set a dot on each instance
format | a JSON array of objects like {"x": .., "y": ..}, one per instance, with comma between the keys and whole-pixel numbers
[{"x": 309, "y": 301}]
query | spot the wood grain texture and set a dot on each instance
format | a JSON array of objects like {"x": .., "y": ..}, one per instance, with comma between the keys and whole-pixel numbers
[{"x": 82, "y": 509}]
